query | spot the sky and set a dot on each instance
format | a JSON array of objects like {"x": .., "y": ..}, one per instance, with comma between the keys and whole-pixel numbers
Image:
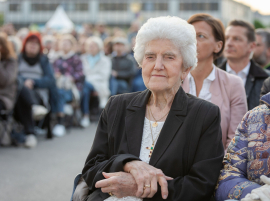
[{"x": 263, "y": 6}]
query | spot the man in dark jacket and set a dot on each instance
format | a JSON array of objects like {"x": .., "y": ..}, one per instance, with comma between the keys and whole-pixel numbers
[
  {"x": 240, "y": 43},
  {"x": 123, "y": 67}
]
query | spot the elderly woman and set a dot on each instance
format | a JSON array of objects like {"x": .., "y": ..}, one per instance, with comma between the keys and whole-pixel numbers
[
  {"x": 160, "y": 143},
  {"x": 97, "y": 71},
  {"x": 210, "y": 83}
]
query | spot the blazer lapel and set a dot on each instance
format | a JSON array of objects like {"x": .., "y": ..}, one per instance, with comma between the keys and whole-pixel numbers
[
  {"x": 249, "y": 84},
  {"x": 172, "y": 124},
  {"x": 215, "y": 91},
  {"x": 134, "y": 122}
]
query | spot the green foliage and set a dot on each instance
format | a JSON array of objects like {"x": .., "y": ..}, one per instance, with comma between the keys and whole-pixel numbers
[
  {"x": 258, "y": 24},
  {"x": 1, "y": 19}
]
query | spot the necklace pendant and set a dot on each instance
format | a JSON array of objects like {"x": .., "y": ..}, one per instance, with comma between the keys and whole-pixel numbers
[
  {"x": 151, "y": 150},
  {"x": 155, "y": 124}
]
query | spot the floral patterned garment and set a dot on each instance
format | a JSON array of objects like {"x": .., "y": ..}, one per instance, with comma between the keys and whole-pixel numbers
[
  {"x": 247, "y": 157},
  {"x": 71, "y": 66}
]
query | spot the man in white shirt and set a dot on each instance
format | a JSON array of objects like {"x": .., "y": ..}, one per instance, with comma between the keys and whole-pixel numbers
[{"x": 239, "y": 46}]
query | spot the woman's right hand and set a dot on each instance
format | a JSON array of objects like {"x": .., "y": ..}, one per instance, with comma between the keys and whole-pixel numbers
[{"x": 147, "y": 175}]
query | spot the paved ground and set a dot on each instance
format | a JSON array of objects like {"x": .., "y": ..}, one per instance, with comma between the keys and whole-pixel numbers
[{"x": 45, "y": 173}]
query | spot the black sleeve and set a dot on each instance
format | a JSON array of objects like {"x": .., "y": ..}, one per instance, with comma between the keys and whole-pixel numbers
[
  {"x": 265, "y": 87},
  {"x": 203, "y": 175},
  {"x": 98, "y": 160}
]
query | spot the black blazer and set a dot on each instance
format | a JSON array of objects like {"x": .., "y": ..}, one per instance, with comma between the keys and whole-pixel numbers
[
  {"x": 189, "y": 147},
  {"x": 255, "y": 79}
]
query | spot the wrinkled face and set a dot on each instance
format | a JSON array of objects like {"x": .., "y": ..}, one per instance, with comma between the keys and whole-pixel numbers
[
  {"x": 92, "y": 48},
  {"x": 260, "y": 51},
  {"x": 66, "y": 45},
  {"x": 206, "y": 43},
  {"x": 237, "y": 46},
  {"x": 32, "y": 47},
  {"x": 162, "y": 66}
]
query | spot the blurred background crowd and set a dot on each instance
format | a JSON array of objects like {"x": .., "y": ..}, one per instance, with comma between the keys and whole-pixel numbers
[
  {"x": 54, "y": 75},
  {"x": 57, "y": 76}
]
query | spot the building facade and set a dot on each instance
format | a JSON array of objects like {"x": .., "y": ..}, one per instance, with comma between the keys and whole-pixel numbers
[{"x": 120, "y": 12}]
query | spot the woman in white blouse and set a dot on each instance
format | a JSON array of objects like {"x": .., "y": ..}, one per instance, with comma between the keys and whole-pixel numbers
[
  {"x": 210, "y": 83},
  {"x": 160, "y": 143}
]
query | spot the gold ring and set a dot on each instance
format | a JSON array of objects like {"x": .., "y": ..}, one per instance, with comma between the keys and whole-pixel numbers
[
  {"x": 110, "y": 193},
  {"x": 146, "y": 186}
]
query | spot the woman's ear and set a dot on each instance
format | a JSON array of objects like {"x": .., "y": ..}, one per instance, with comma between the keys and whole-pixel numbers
[
  {"x": 218, "y": 47},
  {"x": 185, "y": 72}
]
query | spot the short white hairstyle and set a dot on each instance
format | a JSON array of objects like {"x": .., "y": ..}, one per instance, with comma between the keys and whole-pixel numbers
[
  {"x": 96, "y": 40},
  {"x": 175, "y": 29}
]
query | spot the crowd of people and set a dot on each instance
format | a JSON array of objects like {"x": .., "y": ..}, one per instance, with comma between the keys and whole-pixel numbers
[
  {"x": 168, "y": 62},
  {"x": 51, "y": 73}
]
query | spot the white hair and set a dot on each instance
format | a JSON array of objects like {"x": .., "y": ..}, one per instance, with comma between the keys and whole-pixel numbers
[
  {"x": 96, "y": 40},
  {"x": 178, "y": 31}
]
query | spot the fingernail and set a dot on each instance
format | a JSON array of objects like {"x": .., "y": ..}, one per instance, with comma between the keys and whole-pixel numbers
[{"x": 164, "y": 196}]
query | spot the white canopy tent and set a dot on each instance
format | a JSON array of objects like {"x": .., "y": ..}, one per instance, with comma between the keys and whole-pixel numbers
[{"x": 60, "y": 21}]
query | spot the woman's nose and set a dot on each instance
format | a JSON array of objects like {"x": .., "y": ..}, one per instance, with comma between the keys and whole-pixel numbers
[{"x": 159, "y": 64}]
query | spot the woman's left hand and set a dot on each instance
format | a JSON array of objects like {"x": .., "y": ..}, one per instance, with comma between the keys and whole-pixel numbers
[{"x": 120, "y": 184}]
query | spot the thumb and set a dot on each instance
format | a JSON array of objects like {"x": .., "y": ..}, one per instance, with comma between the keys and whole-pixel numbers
[{"x": 109, "y": 175}]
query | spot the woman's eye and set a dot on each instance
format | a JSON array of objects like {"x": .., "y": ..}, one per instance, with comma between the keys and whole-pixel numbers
[{"x": 201, "y": 36}]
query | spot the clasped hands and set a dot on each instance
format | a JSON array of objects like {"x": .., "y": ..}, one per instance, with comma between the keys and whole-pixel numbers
[
  {"x": 139, "y": 179},
  {"x": 261, "y": 193}
]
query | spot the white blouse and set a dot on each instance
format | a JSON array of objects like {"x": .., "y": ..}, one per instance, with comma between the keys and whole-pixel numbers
[
  {"x": 144, "y": 153},
  {"x": 205, "y": 91}
]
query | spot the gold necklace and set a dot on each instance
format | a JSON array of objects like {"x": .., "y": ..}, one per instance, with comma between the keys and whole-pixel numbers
[
  {"x": 155, "y": 124},
  {"x": 153, "y": 140}
]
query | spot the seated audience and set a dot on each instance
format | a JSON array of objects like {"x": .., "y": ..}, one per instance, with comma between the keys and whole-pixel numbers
[
  {"x": 8, "y": 84},
  {"x": 8, "y": 74},
  {"x": 210, "y": 83},
  {"x": 36, "y": 73},
  {"x": 69, "y": 77},
  {"x": 97, "y": 71},
  {"x": 123, "y": 67},
  {"x": 248, "y": 158}
]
